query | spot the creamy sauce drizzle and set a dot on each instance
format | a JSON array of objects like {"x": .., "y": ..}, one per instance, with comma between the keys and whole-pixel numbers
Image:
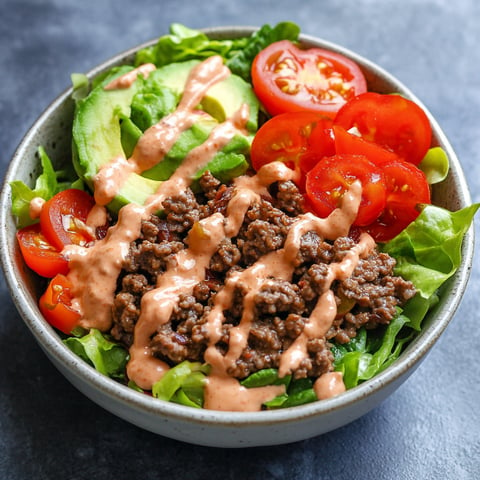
[
  {"x": 35, "y": 207},
  {"x": 126, "y": 80},
  {"x": 328, "y": 385},
  {"x": 157, "y": 140},
  {"x": 94, "y": 270}
]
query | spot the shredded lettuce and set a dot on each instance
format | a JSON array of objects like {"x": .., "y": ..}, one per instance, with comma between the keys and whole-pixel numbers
[
  {"x": 98, "y": 350},
  {"x": 183, "y": 43}
]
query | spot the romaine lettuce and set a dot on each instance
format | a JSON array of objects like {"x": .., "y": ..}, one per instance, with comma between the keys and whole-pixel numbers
[
  {"x": 182, "y": 384},
  {"x": 99, "y": 351}
]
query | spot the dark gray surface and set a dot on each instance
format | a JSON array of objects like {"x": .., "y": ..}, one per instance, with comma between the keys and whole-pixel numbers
[{"x": 430, "y": 428}]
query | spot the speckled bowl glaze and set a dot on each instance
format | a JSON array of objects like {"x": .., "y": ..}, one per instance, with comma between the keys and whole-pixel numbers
[{"x": 203, "y": 427}]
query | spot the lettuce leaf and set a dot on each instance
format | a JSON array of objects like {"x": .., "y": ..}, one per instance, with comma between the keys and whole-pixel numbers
[
  {"x": 435, "y": 165},
  {"x": 267, "y": 376},
  {"x": 298, "y": 392},
  {"x": 183, "y": 384},
  {"x": 428, "y": 251},
  {"x": 364, "y": 361},
  {"x": 183, "y": 43},
  {"x": 240, "y": 61},
  {"x": 48, "y": 183},
  {"x": 99, "y": 351}
]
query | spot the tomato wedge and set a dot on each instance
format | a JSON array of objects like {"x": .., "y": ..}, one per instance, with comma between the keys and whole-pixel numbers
[
  {"x": 289, "y": 79},
  {"x": 299, "y": 139},
  {"x": 39, "y": 254},
  {"x": 391, "y": 121},
  {"x": 56, "y": 305},
  {"x": 63, "y": 218},
  {"x": 407, "y": 187},
  {"x": 331, "y": 178}
]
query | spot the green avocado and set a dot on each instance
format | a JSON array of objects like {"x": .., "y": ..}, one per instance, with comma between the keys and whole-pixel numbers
[
  {"x": 222, "y": 100},
  {"x": 108, "y": 123}
]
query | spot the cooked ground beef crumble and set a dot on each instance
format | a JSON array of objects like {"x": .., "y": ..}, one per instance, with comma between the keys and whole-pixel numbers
[{"x": 368, "y": 298}]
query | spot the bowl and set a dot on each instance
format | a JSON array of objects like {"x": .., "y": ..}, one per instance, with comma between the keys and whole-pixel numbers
[{"x": 205, "y": 427}]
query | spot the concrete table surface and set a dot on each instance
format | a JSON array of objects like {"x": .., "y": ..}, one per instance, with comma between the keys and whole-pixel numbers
[{"x": 429, "y": 428}]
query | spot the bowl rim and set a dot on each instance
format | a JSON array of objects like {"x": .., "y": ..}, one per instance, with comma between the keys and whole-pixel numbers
[{"x": 51, "y": 342}]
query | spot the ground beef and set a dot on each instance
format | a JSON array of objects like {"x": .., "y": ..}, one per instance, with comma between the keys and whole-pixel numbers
[
  {"x": 209, "y": 185},
  {"x": 226, "y": 256},
  {"x": 368, "y": 298},
  {"x": 287, "y": 198},
  {"x": 181, "y": 211},
  {"x": 126, "y": 306}
]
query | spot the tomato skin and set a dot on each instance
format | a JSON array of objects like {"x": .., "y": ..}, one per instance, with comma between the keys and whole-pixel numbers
[
  {"x": 407, "y": 187},
  {"x": 299, "y": 139},
  {"x": 331, "y": 177},
  {"x": 287, "y": 79},
  {"x": 346, "y": 142},
  {"x": 391, "y": 121},
  {"x": 56, "y": 305},
  {"x": 39, "y": 254},
  {"x": 59, "y": 215}
]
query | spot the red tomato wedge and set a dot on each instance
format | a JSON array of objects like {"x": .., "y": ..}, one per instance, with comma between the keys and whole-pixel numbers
[
  {"x": 407, "y": 187},
  {"x": 331, "y": 178},
  {"x": 391, "y": 121},
  {"x": 39, "y": 254},
  {"x": 56, "y": 305},
  {"x": 299, "y": 139},
  {"x": 63, "y": 218},
  {"x": 287, "y": 78}
]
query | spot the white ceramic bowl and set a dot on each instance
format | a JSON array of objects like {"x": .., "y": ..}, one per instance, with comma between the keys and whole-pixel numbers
[{"x": 214, "y": 428}]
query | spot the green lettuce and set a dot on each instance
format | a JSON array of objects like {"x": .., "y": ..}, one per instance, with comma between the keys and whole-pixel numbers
[
  {"x": 429, "y": 251},
  {"x": 362, "y": 360},
  {"x": 48, "y": 183},
  {"x": 297, "y": 392},
  {"x": 98, "y": 350},
  {"x": 435, "y": 165},
  {"x": 183, "y": 43},
  {"x": 183, "y": 384}
]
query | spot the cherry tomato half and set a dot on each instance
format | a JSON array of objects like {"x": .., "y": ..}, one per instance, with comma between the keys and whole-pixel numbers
[
  {"x": 391, "y": 121},
  {"x": 56, "y": 305},
  {"x": 39, "y": 254},
  {"x": 299, "y": 139},
  {"x": 288, "y": 79},
  {"x": 63, "y": 218},
  {"x": 407, "y": 187},
  {"x": 346, "y": 142},
  {"x": 331, "y": 178}
]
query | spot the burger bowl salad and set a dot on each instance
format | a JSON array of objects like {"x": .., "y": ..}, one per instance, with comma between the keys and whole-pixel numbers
[{"x": 245, "y": 223}]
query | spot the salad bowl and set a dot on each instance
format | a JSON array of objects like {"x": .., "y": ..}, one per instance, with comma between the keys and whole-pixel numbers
[{"x": 209, "y": 427}]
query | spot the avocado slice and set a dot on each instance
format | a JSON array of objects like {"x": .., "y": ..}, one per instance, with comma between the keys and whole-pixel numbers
[
  {"x": 104, "y": 128},
  {"x": 222, "y": 100}
]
